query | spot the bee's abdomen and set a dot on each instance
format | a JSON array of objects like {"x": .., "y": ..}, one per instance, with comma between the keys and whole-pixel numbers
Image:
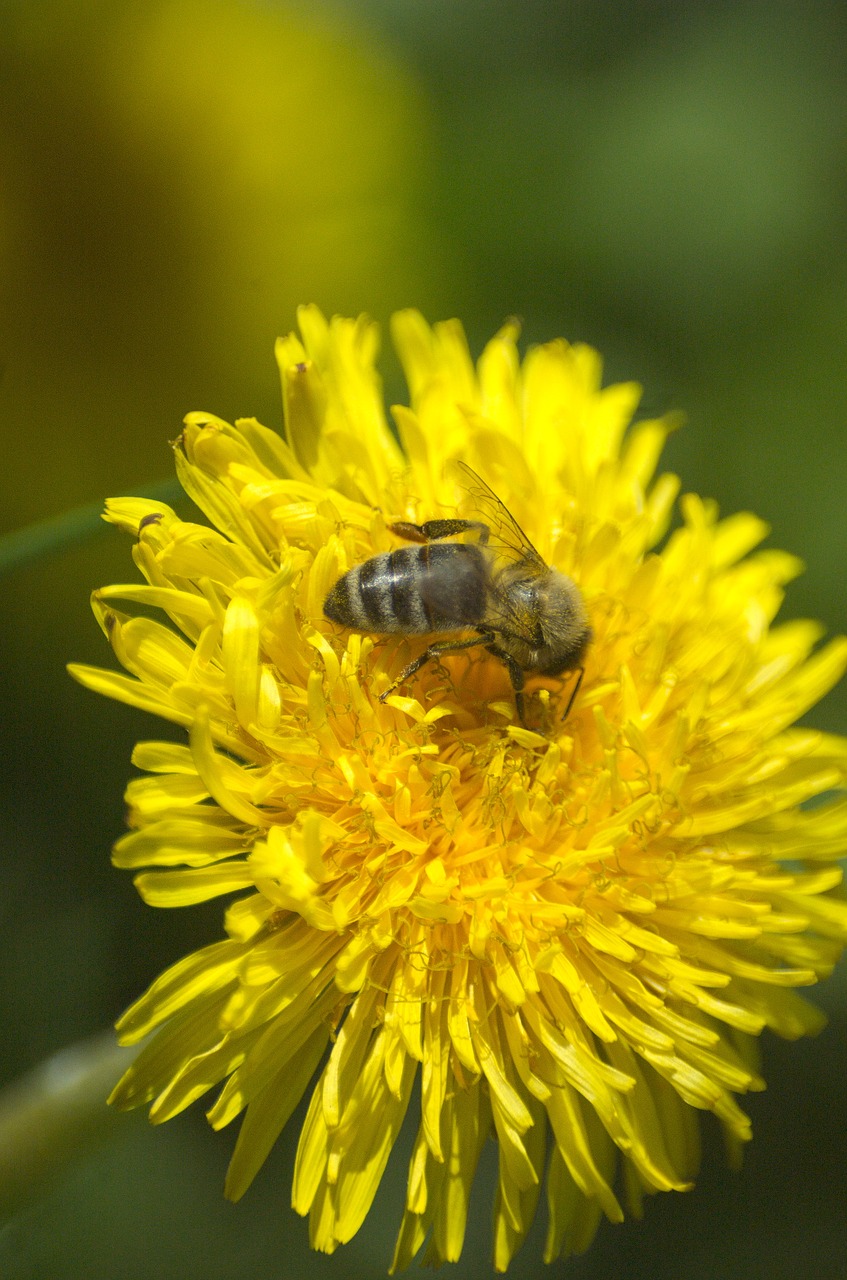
[{"x": 414, "y": 590}]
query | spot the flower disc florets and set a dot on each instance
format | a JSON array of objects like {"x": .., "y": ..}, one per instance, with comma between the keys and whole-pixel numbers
[{"x": 570, "y": 930}]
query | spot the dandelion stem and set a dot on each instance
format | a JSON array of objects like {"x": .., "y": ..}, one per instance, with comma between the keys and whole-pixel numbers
[
  {"x": 56, "y": 534},
  {"x": 55, "y": 1113}
]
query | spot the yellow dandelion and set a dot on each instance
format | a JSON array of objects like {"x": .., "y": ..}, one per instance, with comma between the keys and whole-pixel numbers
[{"x": 568, "y": 930}]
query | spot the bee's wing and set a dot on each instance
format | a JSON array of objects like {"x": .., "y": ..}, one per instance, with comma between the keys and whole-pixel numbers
[{"x": 506, "y": 536}]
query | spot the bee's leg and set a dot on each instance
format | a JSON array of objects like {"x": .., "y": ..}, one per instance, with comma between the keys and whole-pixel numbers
[
  {"x": 574, "y": 692},
  {"x": 516, "y": 676},
  {"x": 434, "y": 530},
  {"x": 434, "y": 651}
]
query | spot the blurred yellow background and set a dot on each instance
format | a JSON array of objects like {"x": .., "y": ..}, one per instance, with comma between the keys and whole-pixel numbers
[{"x": 664, "y": 181}]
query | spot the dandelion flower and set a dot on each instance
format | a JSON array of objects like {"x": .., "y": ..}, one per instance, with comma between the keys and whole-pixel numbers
[{"x": 569, "y": 932}]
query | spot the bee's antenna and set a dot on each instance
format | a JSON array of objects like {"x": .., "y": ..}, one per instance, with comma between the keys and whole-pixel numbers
[{"x": 574, "y": 692}]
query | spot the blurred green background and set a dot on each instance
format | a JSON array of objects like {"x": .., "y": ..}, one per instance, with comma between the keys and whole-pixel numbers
[{"x": 663, "y": 180}]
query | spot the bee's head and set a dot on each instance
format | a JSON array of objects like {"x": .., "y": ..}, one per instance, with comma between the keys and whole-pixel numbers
[{"x": 563, "y": 623}]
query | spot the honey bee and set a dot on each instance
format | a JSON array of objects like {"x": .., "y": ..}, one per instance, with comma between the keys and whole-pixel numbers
[{"x": 527, "y": 614}]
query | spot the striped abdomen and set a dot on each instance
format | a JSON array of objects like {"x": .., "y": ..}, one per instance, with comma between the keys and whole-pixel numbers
[{"x": 414, "y": 590}]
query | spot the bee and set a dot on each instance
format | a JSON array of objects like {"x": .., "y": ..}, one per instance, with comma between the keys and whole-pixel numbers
[{"x": 525, "y": 613}]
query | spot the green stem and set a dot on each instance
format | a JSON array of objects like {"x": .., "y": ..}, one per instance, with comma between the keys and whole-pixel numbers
[
  {"x": 54, "y": 1115},
  {"x": 58, "y": 533}
]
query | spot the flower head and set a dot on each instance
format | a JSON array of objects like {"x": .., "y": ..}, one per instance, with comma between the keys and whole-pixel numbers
[{"x": 569, "y": 931}]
